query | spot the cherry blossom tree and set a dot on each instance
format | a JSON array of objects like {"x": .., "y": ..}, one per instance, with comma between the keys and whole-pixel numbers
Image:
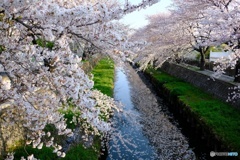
[
  {"x": 164, "y": 39},
  {"x": 190, "y": 14},
  {"x": 195, "y": 25},
  {"x": 41, "y": 69},
  {"x": 211, "y": 23}
]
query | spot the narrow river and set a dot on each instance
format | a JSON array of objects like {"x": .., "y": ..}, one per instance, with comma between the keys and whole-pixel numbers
[{"x": 143, "y": 131}]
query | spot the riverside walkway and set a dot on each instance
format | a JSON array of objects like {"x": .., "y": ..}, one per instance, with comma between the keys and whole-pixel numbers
[{"x": 209, "y": 73}]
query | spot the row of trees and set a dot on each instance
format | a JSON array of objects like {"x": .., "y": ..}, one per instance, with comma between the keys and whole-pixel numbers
[
  {"x": 40, "y": 70},
  {"x": 192, "y": 25}
]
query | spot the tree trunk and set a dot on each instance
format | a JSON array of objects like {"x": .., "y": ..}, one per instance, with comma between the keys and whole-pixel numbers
[
  {"x": 202, "y": 60},
  {"x": 237, "y": 72}
]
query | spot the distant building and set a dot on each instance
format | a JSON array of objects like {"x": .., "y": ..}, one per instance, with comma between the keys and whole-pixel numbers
[{"x": 214, "y": 56}]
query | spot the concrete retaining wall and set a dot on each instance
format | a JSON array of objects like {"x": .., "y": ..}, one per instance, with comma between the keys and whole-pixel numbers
[{"x": 217, "y": 88}]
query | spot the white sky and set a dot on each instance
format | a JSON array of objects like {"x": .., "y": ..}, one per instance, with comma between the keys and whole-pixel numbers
[{"x": 137, "y": 19}]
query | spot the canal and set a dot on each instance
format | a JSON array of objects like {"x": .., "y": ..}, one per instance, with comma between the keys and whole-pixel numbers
[{"x": 144, "y": 130}]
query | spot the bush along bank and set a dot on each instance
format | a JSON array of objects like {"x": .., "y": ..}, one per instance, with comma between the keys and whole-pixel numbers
[
  {"x": 103, "y": 77},
  {"x": 213, "y": 124}
]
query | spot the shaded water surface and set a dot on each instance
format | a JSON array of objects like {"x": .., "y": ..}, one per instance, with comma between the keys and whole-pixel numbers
[{"x": 143, "y": 130}]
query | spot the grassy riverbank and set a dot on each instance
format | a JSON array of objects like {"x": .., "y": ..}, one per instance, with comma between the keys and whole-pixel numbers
[
  {"x": 219, "y": 116},
  {"x": 104, "y": 76}
]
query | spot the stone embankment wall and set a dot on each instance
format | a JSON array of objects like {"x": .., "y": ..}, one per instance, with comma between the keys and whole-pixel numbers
[
  {"x": 87, "y": 66},
  {"x": 216, "y": 87}
]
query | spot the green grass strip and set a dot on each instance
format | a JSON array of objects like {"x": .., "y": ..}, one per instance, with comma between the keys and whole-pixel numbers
[
  {"x": 104, "y": 76},
  {"x": 222, "y": 118},
  {"x": 43, "y": 154},
  {"x": 78, "y": 152}
]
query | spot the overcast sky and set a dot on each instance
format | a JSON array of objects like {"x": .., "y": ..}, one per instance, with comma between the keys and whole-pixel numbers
[{"x": 137, "y": 19}]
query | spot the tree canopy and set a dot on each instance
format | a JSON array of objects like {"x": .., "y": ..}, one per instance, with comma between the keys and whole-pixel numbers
[{"x": 40, "y": 73}]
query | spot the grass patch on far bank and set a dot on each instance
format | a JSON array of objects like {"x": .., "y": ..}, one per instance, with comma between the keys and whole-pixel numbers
[
  {"x": 220, "y": 116},
  {"x": 104, "y": 76}
]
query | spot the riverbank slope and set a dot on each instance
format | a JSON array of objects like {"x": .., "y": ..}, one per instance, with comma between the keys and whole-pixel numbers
[{"x": 211, "y": 120}]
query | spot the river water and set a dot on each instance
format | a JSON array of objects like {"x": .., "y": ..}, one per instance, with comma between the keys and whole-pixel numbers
[{"x": 143, "y": 131}]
